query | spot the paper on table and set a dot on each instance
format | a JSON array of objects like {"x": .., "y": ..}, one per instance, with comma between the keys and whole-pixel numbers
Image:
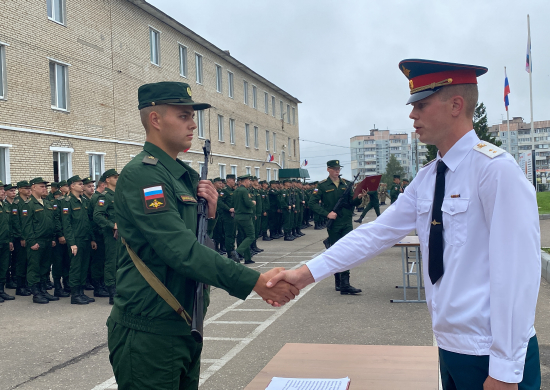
[{"x": 308, "y": 384}]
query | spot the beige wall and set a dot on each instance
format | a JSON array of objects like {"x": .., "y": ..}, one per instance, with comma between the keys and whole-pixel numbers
[{"x": 106, "y": 43}]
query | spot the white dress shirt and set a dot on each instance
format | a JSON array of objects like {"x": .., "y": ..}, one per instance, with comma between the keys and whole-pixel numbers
[{"x": 485, "y": 302}]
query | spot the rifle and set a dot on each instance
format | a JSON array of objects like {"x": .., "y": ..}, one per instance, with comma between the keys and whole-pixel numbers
[
  {"x": 202, "y": 237},
  {"x": 340, "y": 204}
]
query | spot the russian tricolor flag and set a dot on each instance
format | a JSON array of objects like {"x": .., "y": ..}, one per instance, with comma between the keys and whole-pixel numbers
[
  {"x": 153, "y": 193},
  {"x": 506, "y": 91},
  {"x": 305, "y": 163},
  {"x": 528, "y": 64}
]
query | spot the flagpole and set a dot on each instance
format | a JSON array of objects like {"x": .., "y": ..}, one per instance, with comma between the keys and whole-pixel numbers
[
  {"x": 530, "y": 74},
  {"x": 508, "y": 122}
]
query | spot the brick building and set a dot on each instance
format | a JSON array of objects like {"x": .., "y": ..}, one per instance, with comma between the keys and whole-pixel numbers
[{"x": 69, "y": 74}]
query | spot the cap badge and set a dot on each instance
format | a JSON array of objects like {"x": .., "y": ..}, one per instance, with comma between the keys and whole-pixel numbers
[
  {"x": 406, "y": 72},
  {"x": 189, "y": 91},
  {"x": 337, "y": 162}
]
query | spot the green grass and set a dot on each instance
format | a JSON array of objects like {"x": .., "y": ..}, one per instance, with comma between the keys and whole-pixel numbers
[
  {"x": 547, "y": 250},
  {"x": 543, "y": 199}
]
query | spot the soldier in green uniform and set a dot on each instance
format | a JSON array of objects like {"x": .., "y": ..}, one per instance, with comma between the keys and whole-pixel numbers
[
  {"x": 61, "y": 261},
  {"x": 258, "y": 210},
  {"x": 64, "y": 187},
  {"x": 6, "y": 243},
  {"x": 150, "y": 344},
  {"x": 285, "y": 205},
  {"x": 405, "y": 185},
  {"x": 38, "y": 231},
  {"x": 274, "y": 210},
  {"x": 105, "y": 217},
  {"x": 395, "y": 188},
  {"x": 96, "y": 270},
  {"x": 10, "y": 194},
  {"x": 373, "y": 203},
  {"x": 219, "y": 236},
  {"x": 77, "y": 229},
  {"x": 20, "y": 251},
  {"x": 329, "y": 191},
  {"x": 299, "y": 210},
  {"x": 54, "y": 187},
  {"x": 227, "y": 211},
  {"x": 245, "y": 208},
  {"x": 266, "y": 209},
  {"x": 89, "y": 189}
]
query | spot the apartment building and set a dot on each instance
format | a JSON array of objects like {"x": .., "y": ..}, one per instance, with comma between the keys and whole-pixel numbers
[{"x": 69, "y": 75}]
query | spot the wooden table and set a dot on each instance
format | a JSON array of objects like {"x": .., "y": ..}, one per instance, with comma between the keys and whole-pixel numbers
[
  {"x": 370, "y": 367},
  {"x": 415, "y": 268}
]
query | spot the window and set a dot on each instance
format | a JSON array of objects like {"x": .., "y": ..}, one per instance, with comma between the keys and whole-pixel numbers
[
  {"x": 5, "y": 163},
  {"x": 220, "y": 128},
  {"x": 289, "y": 146},
  {"x": 232, "y": 131},
  {"x": 62, "y": 163},
  {"x": 248, "y": 172},
  {"x": 281, "y": 107},
  {"x": 245, "y": 86},
  {"x": 256, "y": 144},
  {"x": 254, "y": 96},
  {"x": 198, "y": 67},
  {"x": 222, "y": 170},
  {"x": 267, "y": 140},
  {"x": 3, "y": 78},
  {"x": 268, "y": 174},
  {"x": 59, "y": 85},
  {"x": 293, "y": 115},
  {"x": 274, "y": 143},
  {"x": 275, "y": 174},
  {"x": 266, "y": 103},
  {"x": 257, "y": 172},
  {"x": 154, "y": 40},
  {"x": 273, "y": 107},
  {"x": 294, "y": 148},
  {"x": 288, "y": 114},
  {"x": 246, "y": 135},
  {"x": 230, "y": 84},
  {"x": 201, "y": 164},
  {"x": 234, "y": 170},
  {"x": 183, "y": 61},
  {"x": 219, "y": 78},
  {"x": 283, "y": 160},
  {"x": 56, "y": 11},
  {"x": 97, "y": 165},
  {"x": 200, "y": 123}
]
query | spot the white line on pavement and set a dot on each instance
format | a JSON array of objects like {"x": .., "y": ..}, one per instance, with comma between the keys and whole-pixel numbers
[
  {"x": 108, "y": 383},
  {"x": 254, "y": 309},
  {"x": 222, "y": 339},
  {"x": 238, "y": 322}
]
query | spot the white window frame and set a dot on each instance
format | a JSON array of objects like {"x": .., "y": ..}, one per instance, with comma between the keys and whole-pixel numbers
[
  {"x": 101, "y": 164},
  {"x": 282, "y": 162},
  {"x": 3, "y": 75},
  {"x": 274, "y": 142},
  {"x": 281, "y": 106},
  {"x": 219, "y": 80},
  {"x": 233, "y": 169},
  {"x": 200, "y": 123},
  {"x": 275, "y": 174},
  {"x": 201, "y": 164},
  {"x": 294, "y": 147},
  {"x": 257, "y": 172},
  {"x": 232, "y": 131},
  {"x": 256, "y": 136},
  {"x": 198, "y": 68},
  {"x": 221, "y": 135},
  {"x": 50, "y": 9},
  {"x": 245, "y": 89},
  {"x": 266, "y": 102},
  {"x": 273, "y": 107},
  {"x": 268, "y": 174},
  {"x": 289, "y": 146},
  {"x": 65, "y": 66},
  {"x": 230, "y": 84},
  {"x": 254, "y": 96},
  {"x": 69, "y": 151},
  {"x": 154, "y": 36},
  {"x": 267, "y": 140},
  {"x": 6, "y": 173},
  {"x": 223, "y": 173},
  {"x": 247, "y": 135},
  {"x": 182, "y": 49},
  {"x": 293, "y": 115},
  {"x": 248, "y": 170},
  {"x": 288, "y": 113}
]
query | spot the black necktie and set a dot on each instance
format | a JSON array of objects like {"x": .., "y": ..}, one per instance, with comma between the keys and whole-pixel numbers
[{"x": 435, "y": 266}]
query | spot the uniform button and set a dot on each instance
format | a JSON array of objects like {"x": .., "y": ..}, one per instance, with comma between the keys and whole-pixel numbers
[
  {"x": 517, "y": 372},
  {"x": 452, "y": 208},
  {"x": 524, "y": 345}
]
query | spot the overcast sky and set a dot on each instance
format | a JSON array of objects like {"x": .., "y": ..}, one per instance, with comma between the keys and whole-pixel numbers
[{"x": 340, "y": 57}]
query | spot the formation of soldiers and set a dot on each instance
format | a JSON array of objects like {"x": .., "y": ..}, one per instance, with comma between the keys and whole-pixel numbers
[{"x": 68, "y": 233}]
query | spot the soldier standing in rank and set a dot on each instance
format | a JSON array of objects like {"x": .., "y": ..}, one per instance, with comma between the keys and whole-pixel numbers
[
  {"x": 105, "y": 217},
  {"x": 219, "y": 236},
  {"x": 60, "y": 257},
  {"x": 372, "y": 203},
  {"x": 53, "y": 188},
  {"x": 274, "y": 210},
  {"x": 77, "y": 228},
  {"x": 64, "y": 188},
  {"x": 244, "y": 213},
  {"x": 38, "y": 231},
  {"x": 382, "y": 193},
  {"x": 96, "y": 270},
  {"x": 10, "y": 194},
  {"x": 257, "y": 196},
  {"x": 89, "y": 189},
  {"x": 24, "y": 192},
  {"x": 227, "y": 211},
  {"x": 329, "y": 191},
  {"x": 266, "y": 209},
  {"x": 285, "y": 204},
  {"x": 6, "y": 243},
  {"x": 395, "y": 188}
]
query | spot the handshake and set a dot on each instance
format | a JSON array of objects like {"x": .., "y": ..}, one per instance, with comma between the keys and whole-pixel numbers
[{"x": 278, "y": 286}]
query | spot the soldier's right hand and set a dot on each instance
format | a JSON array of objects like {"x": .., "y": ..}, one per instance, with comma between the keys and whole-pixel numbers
[
  {"x": 23, "y": 243},
  {"x": 332, "y": 215},
  {"x": 62, "y": 240},
  {"x": 280, "y": 294},
  {"x": 74, "y": 249},
  {"x": 35, "y": 247}
]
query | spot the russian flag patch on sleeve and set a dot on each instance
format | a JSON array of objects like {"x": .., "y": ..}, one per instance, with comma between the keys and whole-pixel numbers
[{"x": 154, "y": 199}]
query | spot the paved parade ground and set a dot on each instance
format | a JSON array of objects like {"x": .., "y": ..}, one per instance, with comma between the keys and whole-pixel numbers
[{"x": 64, "y": 346}]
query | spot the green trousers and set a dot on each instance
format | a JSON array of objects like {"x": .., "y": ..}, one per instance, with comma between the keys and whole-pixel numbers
[
  {"x": 273, "y": 221},
  {"x": 148, "y": 361},
  {"x": 4, "y": 261},
  {"x": 467, "y": 372},
  {"x": 376, "y": 208},
  {"x": 218, "y": 235},
  {"x": 245, "y": 230},
  {"x": 288, "y": 218},
  {"x": 79, "y": 263},
  {"x": 265, "y": 224},
  {"x": 21, "y": 254},
  {"x": 257, "y": 226},
  {"x": 337, "y": 231},
  {"x": 111, "y": 248},
  {"x": 61, "y": 262},
  {"x": 97, "y": 261},
  {"x": 39, "y": 261},
  {"x": 229, "y": 231}
]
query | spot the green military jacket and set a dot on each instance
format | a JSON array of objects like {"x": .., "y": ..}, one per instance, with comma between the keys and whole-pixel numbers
[
  {"x": 328, "y": 194},
  {"x": 156, "y": 213},
  {"x": 104, "y": 211},
  {"x": 225, "y": 200},
  {"x": 242, "y": 201},
  {"x": 395, "y": 190},
  {"x": 16, "y": 216},
  {"x": 299, "y": 197},
  {"x": 37, "y": 221},
  {"x": 75, "y": 219},
  {"x": 257, "y": 196},
  {"x": 373, "y": 198},
  {"x": 57, "y": 216},
  {"x": 284, "y": 199},
  {"x": 265, "y": 201},
  {"x": 5, "y": 225},
  {"x": 273, "y": 196}
]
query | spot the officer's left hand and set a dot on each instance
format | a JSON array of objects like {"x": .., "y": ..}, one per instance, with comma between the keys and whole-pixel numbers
[
  {"x": 94, "y": 245},
  {"x": 493, "y": 384},
  {"x": 207, "y": 191}
]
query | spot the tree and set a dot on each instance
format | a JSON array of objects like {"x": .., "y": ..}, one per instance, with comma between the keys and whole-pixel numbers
[
  {"x": 392, "y": 168},
  {"x": 431, "y": 154}
]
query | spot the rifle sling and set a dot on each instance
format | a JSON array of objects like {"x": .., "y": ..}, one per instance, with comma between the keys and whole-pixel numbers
[{"x": 157, "y": 285}]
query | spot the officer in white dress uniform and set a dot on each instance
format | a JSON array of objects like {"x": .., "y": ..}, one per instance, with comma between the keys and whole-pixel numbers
[{"x": 481, "y": 247}]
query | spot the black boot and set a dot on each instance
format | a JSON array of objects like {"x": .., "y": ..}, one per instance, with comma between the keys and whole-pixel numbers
[
  {"x": 88, "y": 286},
  {"x": 58, "y": 290},
  {"x": 256, "y": 247},
  {"x": 77, "y": 297},
  {"x": 345, "y": 287},
  {"x": 99, "y": 290},
  {"x": 90, "y": 299},
  {"x": 49, "y": 284},
  {"x": 288, "y": 237},
  {"x": 112, "y": 293},
  {"x": 3, "y": 295},
  {"x": 21, "y": 289},
  {"x": 360, "y": 220},
  {"x": 37, "y": 296},
  {"x": 11, "y": 283},
  {"x": 66, "y": 286},
  {"x": 317, "y": 226},
  {"x": 222, "y": 248},
  {"x": 337, "y": 281},
  {"x": 46, "y": 294},
  {"x": 299, "y": 231},
  {"x": 234, "y": 256},
  {"x": 265, "y": 237}
]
